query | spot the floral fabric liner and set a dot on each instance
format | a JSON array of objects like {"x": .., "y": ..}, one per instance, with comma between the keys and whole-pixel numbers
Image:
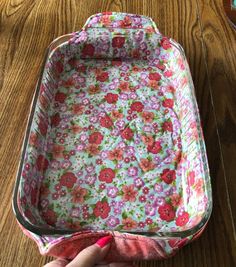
[{"x": 115, "y": 143}]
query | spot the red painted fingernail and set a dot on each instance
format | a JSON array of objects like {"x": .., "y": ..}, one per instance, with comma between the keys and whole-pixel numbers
[{"x": 102, "y": 242}]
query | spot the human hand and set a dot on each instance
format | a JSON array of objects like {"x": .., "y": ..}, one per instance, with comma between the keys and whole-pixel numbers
[{"x": 90, "y": 257}]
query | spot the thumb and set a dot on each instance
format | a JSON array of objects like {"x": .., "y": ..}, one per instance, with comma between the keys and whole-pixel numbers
[{"x": 93, "y": 254}]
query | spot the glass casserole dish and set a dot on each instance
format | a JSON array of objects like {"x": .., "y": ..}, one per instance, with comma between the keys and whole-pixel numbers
[{"x": 114, "y": 144}]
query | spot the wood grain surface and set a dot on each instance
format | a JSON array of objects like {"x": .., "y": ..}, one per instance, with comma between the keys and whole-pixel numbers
[{"x": 26, "y": 29}]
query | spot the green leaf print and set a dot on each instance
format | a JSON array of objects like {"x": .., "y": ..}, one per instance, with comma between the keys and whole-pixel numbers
[
  {"x": 124, "y": 215},
  {"x": 104, "y": 199}
]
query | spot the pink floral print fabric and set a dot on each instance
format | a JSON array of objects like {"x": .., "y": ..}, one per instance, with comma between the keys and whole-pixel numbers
[{"x": 115, "y": 143}]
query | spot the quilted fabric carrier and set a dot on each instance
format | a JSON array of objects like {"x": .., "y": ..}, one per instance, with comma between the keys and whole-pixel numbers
[{"x": 114, "y": 145}]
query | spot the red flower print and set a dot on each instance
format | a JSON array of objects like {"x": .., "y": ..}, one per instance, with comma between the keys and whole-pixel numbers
[
  {"x": 59, "y": 66},
  {"x": 135, "y": 68},
  {"x": 91, "y": 127},
  {"x": 154, "y": 148},
  {"x": 102, "y": 209},
  {"x": 55, "y": 120},
  {"x": 167, "y": 126},
  {"x": 168, "y": 73},
  {"x": 33, "y": 139},
  {"x": 44, "y": 191},
  {"x": 73, "y": 62},
  {"x": 150, "y": 29},
  {"x": 95, "y": 138},
  {"x": 106, "y": 122},
  {"x": 106, "y": 175},
  {"x": 118, "y": 41},
  {"x": 57, "y": 151},
  {"x": 111, "y": 98},
  {"x": 93, "y": 149},
  {"x": 68, "y": 179},
  {"x": 127, "y": 134},
  {"x": 168, "y": 103},
  {"x": 116, "y": 62},
  {"x": 41, "y": 163},
  {"x": 137, "y": 106},
  {"x": 85, "y": 215},
  {"x": 154, "y": 76},
  {"x": 55, "y": 196},
  {"x": 126, "y": 22},
  {"x": 102, "y": 186},
  {"x": 170, "y": 89},
  {"x": 105, "y": 20},
  {"x": 161, "y": 66},
  {"x": 77, "y": 109},
  {"x": 147, "y": 140},
  {"x": 149, "y": 221},
  {"x": 129, "y": 224},
  {"x": 182, "y": 220},
  {"x": 147, "y": 116},
  {"x": 94, "y": 89},
  {"x": 116, "y": 154},
  {"x": 166, "y": 212},
  {"x": 129, "y": 193},
  {"x": 165, "y": 43},
  {"x": 78, "y": 194},
  {"x": 82, "y": 69},
  {"x": 176, "y": 200},
  {"x": 116, "y": 114},
  {"x": 191, "y": 178},
  {"x": 141, "y": 224},
  {"x": 43, "y": 101},
  {"x": 142, "y": 198},
  {"x": 124, "y": 86},
  {"x": 68, "y": 83},
  {"x": 199, "y": 187},
  {"x": 145, "y": 190},
  {"x": 43, "y": 127},
  {"x": 102, "y": 77},
  {"x": 33, "y": 195},
  {"x": 60, "y": 97},
  {"x": 153, "y": 84},
  {"x": 135, "y": 53},
  {"x": 76, "y": 129},
  {"x": 88, "y": 50},
  {"x": 50, "y": 217},
  {"x": 99, "y": 161},
  {"x": 168, "y": 176},
  {"x": 146, "y": 165}
]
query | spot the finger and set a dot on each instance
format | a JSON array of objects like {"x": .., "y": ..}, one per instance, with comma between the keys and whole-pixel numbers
[
  {"x": 57, "y": 263},
  {"x": 93, "y": 254}
]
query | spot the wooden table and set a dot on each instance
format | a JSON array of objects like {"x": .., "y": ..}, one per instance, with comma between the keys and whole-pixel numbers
[{"x": 27, "y": 27}]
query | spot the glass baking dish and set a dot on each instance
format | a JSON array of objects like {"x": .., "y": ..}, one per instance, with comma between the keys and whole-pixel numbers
[{"x": 114, "y": 142}]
